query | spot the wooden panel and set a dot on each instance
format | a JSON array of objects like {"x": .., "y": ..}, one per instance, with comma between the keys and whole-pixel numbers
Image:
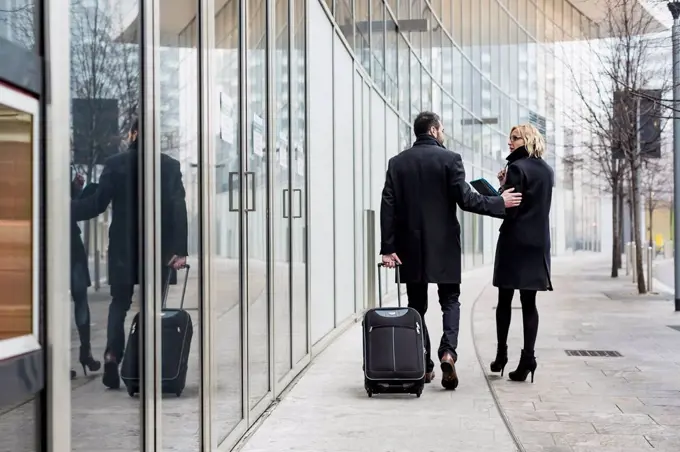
[{"x": 16, "y": 203}]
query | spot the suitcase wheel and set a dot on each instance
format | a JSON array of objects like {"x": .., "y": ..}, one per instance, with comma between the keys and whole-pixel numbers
[
  {"x": 131, "y": 392},
  {"x": 369, "y": 392},
  {"x": 178, "y": 392},
  {"x": 419, "y": 393}
]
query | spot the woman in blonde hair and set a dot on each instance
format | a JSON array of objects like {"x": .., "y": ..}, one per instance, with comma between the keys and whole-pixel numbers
[{"x": 523, "y": 249}]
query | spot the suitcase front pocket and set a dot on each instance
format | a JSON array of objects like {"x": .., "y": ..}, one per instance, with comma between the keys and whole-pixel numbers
[
  {"x": 394, "y": 349},
  {"x": 381, "y": 349}
]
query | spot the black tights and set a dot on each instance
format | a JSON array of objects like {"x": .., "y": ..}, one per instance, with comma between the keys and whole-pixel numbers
[{"x": 529, "y": 316}]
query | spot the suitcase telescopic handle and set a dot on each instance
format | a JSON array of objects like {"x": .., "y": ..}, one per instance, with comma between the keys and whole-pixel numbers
[
  {"x": 167, "y": 286},
  {"x": 396, "y": 268}
]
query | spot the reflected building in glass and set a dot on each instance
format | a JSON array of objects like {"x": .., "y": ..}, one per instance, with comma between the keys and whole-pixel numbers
[{"x": 228, "y": 207}]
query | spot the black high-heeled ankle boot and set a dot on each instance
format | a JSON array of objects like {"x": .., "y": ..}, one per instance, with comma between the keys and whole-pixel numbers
[
  {"x": 498, "y": 364},
  {"x": 88, "y": 361},
  {"x": 527, "y": 365}
]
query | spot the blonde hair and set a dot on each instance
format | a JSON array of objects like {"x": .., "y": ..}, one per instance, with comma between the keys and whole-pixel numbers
[{"x": 533, "y": 140}]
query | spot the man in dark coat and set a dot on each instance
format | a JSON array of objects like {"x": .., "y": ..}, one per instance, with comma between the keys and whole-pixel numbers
[
  {"x": 421, "y": 233},
  {"x": 118, "y": 186}
]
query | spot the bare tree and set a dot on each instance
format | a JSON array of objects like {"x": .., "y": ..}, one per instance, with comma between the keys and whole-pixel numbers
[
  {"x": 615, "y": 109},
  {"x": 104, "y": 85}
]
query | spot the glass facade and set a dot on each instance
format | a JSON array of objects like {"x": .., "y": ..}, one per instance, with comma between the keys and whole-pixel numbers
[{"x": 250, "y": 137}]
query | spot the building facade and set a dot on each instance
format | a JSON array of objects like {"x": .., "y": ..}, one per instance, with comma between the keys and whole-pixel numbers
[{"x": 282, "y": 115}]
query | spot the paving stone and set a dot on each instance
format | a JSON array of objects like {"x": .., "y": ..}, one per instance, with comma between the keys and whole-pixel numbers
[
  {"x": 619, "y": 418},
  {"x": 634, "y": 442},
  {"x": 553, "y": 427},
  {"x": 328, "y": 410},
  {"x": 630, "y": 402},
  {"x": 666, "y": 419}
]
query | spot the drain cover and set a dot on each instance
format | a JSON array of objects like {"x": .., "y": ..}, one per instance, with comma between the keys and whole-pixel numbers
[
  {"x": 594, "y": 353},
  {"x": 675, "y": 327}
]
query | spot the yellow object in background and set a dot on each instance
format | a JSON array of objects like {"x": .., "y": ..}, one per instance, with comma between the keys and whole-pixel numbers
[{"x": 659, "y": 240}]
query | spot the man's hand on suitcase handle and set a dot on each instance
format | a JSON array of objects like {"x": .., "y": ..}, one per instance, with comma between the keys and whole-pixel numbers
[
  {"x": 391, "y": 260},
  {"x": 178, "y": 262}
]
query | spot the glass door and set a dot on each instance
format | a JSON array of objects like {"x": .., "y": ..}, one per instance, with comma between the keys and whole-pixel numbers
[
  {"x": 255, "y": 184},
  {"x": 298, "y": 183},
  {"x": 281, "y": 199}
]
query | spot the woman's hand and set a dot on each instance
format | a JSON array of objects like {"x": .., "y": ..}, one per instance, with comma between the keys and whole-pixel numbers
[{"x": 501, "y": 176}]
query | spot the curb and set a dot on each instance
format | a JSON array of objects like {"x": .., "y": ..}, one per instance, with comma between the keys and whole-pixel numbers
[{"x": 518, "y": 444}]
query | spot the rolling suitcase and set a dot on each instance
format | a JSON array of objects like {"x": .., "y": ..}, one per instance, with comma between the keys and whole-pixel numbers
[
  {"x": 394, "y": 348},
  {"x": 176, "y": 334}
]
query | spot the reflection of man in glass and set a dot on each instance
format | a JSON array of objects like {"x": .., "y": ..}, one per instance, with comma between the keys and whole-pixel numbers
[{"x": 118, "y": 186}]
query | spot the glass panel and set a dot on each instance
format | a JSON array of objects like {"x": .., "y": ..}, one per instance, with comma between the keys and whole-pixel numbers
[
  {"x": 404, "y": 77},
  {"x": 378, "y": 43},
  {"x": 343, "y": 16},
  {"x": 457, "y": 15},
  {"x": 180, "y": 228},
  {"x": 105, "y": 84},
  {"x": 426, "y": 39},
  {"x": 299, "y": 188},
  {"x": 391, "y": 68},
  {"x": 226, "y": 306},
  {"x": 416, "y": 13},
  {"x": 415, "y": 86},
  {"x": 404, "y": 10},
  {"x": 282, "y": 194},
  {"x": 16, "y": 222},
  {"x": 426, "y": 92},
  {"x": 19, "y": 426},
  {"x": 362, "y": 33},
  {"x": 255, "y": 188},
  {"x": 18, "y": 23}
]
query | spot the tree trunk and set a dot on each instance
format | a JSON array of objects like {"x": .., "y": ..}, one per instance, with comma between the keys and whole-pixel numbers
[
  {"x": 619, "y": 235},
  {"x": 619, "y": 226},
  {"x": 635, "y": 204},
  {"x": 616, "y": 250}
]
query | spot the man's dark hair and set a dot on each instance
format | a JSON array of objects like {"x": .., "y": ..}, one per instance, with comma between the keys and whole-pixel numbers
[{"x": 424, "y": 121}]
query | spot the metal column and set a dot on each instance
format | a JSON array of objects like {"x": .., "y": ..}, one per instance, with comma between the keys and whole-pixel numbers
[{"x": 674, "y": 7}]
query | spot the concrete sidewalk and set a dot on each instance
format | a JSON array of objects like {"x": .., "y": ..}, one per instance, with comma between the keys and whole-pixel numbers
[
  {"x": 588, "y": 404},
  {"x": 328, "y": 409}
]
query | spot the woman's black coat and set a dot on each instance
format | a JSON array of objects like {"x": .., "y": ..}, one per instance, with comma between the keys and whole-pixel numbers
[
  {"x": 80, "y": 270},
  {"x": 523, "y": 249}
]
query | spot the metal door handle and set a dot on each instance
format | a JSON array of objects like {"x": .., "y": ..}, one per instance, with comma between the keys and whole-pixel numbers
[
  {"x": 299, "y": 193},
  {"x": 250, "y": 207},
  {"x": 285, "y": 198},
  {"x": 232, "y": 176}
]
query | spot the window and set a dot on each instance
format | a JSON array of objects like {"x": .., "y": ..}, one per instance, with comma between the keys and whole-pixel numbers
[{"x": 19, "y": 194}]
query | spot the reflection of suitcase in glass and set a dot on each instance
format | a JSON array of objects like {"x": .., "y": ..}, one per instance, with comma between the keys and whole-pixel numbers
[{"x": 176, "y": 333}]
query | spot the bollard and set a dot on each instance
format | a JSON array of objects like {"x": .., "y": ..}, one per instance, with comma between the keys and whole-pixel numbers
[
  {"x": 626, "y": 250},
  {"x": 650, "y": 270},
  {"x": 633, "y": 262}
]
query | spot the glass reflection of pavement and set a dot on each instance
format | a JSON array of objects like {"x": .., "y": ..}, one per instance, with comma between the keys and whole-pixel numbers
[{"x": 110, "y": 419}]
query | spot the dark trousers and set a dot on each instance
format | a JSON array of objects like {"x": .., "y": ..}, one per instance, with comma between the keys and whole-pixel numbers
[
  {"x": 121, "y": 300},
  {"x": 81, "y": 313},
  {"x": 529, "y": 317},
  {"x": 448, "y": 299}
]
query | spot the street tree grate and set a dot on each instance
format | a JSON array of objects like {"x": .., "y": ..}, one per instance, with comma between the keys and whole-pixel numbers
[
  {"x": 675, "y": 327},
  {"x": 594, "y": 353}
]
